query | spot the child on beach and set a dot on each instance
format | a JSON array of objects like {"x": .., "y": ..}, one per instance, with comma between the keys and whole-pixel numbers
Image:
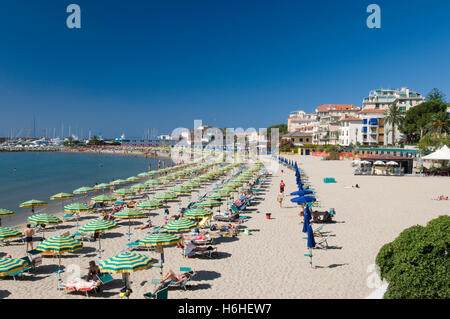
[{"x": 280, "y": 198}]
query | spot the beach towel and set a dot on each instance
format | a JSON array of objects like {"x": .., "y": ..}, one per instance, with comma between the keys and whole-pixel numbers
[{"x": 79, "y": 284}]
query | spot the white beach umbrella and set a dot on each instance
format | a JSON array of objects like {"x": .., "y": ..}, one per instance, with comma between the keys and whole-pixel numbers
[
  {"x": 365, "y": 162},
  {"x": 357, "y": 161},
  {"x": 379, "y": 163},
  {"x": 392, "y": 163}
]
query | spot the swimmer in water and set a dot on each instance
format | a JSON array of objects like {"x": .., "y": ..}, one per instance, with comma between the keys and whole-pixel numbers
[{"x": 15, "y": 169}]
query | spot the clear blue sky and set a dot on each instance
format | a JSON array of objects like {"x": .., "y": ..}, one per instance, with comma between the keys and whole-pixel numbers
[{"x": 237, "y": 63}]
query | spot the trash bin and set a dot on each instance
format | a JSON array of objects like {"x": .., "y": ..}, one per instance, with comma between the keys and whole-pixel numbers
[{"x": 268, "y": 215}]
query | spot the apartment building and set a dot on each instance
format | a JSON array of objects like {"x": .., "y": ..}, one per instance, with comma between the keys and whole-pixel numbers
[
  {"x": 382, "y": 99},
  {"x": 350, "y": 131},
  {"x": 300, "y": 120}
]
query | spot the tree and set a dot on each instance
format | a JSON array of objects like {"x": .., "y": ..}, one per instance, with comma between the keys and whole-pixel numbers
[
  {"x": 394, "y": 117},
  {"x": 417, "y": 117},
  {"x": 430, "y": 142},
  {"x": 416, "y": 264},
  {"x": 436, "y": 95},
  {"x": 282, "y": 130},
  {"x": 95, "y": 141},
  {"x": 439, "y": 123},
  {"x": 286, "y": 145}
]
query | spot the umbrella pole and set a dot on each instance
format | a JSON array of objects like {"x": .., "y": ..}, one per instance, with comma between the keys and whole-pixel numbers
[{"x": 99, "y": 247}]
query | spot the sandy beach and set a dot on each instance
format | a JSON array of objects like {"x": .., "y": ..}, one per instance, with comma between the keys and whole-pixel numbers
[{"x": 269, "y": 263}]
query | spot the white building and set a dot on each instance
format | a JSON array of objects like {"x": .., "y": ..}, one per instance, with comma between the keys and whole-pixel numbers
[
  {"x": 298, "y": 120},
  {"x": 382, "y": 99},
  {"x": 350, "y": 131}
]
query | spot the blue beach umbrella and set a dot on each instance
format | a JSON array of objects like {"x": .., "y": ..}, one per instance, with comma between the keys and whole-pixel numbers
[
  {"x": 302, "y": 192},
  {"x": 306, "y": 218},
  {"x": 311, "y": 242},
  {"x": 303, "y": 200}
]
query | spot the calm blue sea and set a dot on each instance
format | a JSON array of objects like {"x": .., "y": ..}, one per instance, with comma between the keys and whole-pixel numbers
[{"x": 39, "y": 175}]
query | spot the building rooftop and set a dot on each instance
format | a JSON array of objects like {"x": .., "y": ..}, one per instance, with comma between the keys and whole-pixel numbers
[
  {"x": 350, "y": 119},
  {"x": 372, "y": 111},
  {"x": 337, "y": 107},
  {"x": 297, "y": 134}
]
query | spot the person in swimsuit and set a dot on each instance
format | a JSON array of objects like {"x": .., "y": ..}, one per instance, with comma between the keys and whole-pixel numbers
[{"x": 28, "y": 233}]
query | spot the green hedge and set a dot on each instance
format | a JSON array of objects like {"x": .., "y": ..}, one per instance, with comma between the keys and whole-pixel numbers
[{"x": 417, "y": 264}]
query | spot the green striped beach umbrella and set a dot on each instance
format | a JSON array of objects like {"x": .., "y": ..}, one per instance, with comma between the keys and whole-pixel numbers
[
  {"x": 209, "y": 203},
  {"x": 102, "y": 186},
  {"x": 149, "y": 204},
  {"x": 103, "y": 199},
  {"x": 61, "y": 196},
  {"x": 98, "y": 226},
  {"x": 33, "y": 203},
  {"x": 190, "y": 185},
  {"x": 181, "y": 225},
  {"x": 125, "y": 263},
  {"x": 8, "y": 232},
  {"x": 6, "y": 212},
  {"x": 44, "y": 219},
  {"x": 11, "y": 265},
  {"x": 139, "y": 187},
  {"x": 167, "y": 178},
  {"x": 124, "y": 192},
  {"x": 217, "y": 195},
  {"x": 197, "y": 213},
  {"x": 160, "y": 239},
  {"x": 164, "y": 197},
  {"x": 145, "y": 174},
  {"x": 83, "y": 190},
  {"x": 180, "y": 190},
  {"x": 153, "y": 182},
  {"x": 133, "y": 179},
  {"x": 119, "y": 182},
  {"x": 78, "y": 207},
  {"x": 129, "y": 214},
  {"x": 58, "y": 245}
]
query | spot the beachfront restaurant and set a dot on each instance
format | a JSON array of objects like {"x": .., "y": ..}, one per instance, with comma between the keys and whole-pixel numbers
[{"x": 386, "y": 165}]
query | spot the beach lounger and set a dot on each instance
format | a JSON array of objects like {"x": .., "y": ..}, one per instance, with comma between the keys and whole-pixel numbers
[
  {"x": 192, "y": 250},
  {"x": 160, "y": 294},
  {"x": 183, "y": 284},
  {"x": 229, "y": 218}
]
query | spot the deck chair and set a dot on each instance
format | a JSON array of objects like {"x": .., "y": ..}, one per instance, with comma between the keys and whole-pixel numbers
[
  {"x": 203, "y": 222},
  {"x": 183, "y": 284},
  {"x": 105, "y": 278},
  {"x": 160, "y": 294},
  {"x": 323, "y": 243}
]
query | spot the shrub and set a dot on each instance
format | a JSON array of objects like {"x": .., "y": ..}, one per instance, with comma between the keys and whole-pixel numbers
[{"x": 416, "y": 264}]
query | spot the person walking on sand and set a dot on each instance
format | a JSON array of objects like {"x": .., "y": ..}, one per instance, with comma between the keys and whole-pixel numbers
[
  {"x": 280, "y": 198},
  {"x": 28, "y": 234},
  {"x": 282, "y": 185}
]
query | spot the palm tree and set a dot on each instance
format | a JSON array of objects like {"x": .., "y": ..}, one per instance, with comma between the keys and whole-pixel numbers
[
  {"x": 394, "y": 117},
  {"x": 439, "y": 123}
]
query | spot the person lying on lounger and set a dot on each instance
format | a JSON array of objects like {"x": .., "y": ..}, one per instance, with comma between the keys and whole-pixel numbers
[
  {"x": 171, "y": 276},
  {"x": 145, "y": 225}
]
